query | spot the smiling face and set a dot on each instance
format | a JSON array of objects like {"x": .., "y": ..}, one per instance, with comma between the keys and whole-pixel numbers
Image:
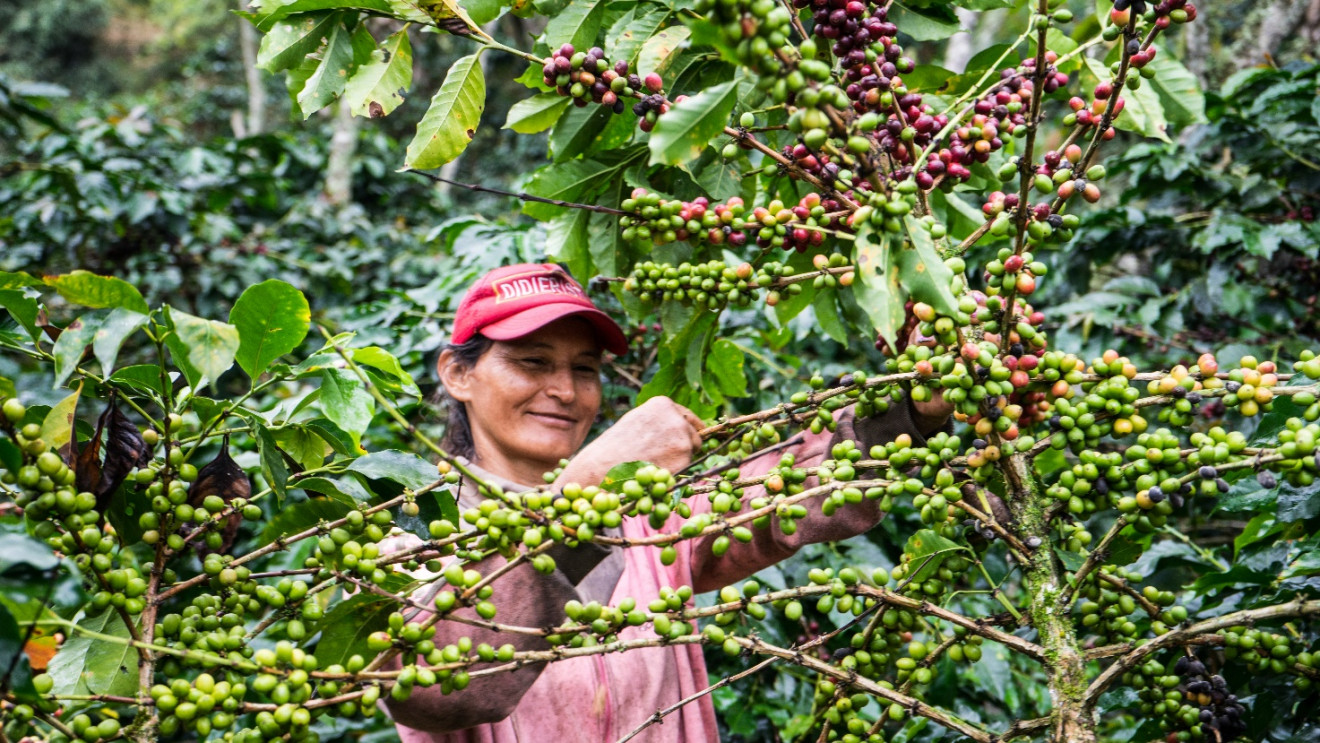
[{"x": 530, "y": 401}]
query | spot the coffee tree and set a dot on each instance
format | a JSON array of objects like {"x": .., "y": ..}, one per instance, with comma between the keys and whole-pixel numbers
[{"x": 214, "y": 562}]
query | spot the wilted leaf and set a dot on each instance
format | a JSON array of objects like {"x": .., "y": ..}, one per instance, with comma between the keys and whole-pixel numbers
[{"x": 222, "y": 477}]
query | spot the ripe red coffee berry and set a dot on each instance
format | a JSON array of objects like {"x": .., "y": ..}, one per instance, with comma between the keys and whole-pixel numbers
[{"x": 654, "y": 83}]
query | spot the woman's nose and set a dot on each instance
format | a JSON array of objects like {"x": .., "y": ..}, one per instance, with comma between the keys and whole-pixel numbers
[{"x": 560, "y": 386}]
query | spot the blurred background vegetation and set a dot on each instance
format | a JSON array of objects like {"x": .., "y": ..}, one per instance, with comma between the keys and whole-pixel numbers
[{"x": 138, "y": 139}]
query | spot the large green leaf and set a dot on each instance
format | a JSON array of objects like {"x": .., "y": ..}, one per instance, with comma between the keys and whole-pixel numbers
[
  {"x": 409, "y": 470},
  {"x": 928, "y": 550},
  {"x": 336, "y": 62},
  {"x": 680, "y": 135},
  {"x": 90, "y": 665},
  {"x": 115, "y": 329},
  {"x": 877, "y": 286},
  {"x": 567, "y": 181},
  {"x": 1180, "y": 93},
  {"x": 72, "y": 343},
  {"x": 272, "y": 319},
  {"x": 57, "y": 426},
  {"x": 290, "y": 40},
  {"x": 576, "y": 24},
  {"x": 101, "y": 292},
  {"x": 725, "y": 365},
  {"x": 22, "y": 308},
  {"x": 302, "y": 516},
  {"x": 11, "y": 280},
  {"x": 346, "y": 401},
  {"x": 378, "y": 87},
  {"x": 273, "y": 467},
  {"x": 536, "y": 114},
  {"x": 451, "y": 121},
  {"x": 566, "y": 241},
  {"x": 628, "y": 34},
  {"x": 924, "y": 275},
  {"x": 657, "y": 52},
  {"x": 265, "y": 13},
  {"x": 202, "y": 349},
  {"x": 579, "y": 130},
  {"x": 347, "y": 626},
  {"x": 1142, "y": 111}
]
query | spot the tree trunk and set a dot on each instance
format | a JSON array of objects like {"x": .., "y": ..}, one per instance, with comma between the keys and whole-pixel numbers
[
  {"x": 339, "y": 164},
  {"x": 1281, "y": 20},
  {"x": 256, "y": 91},
  {"x": 1197, "y": 50},
  {"x": 1070, "y": 721}
]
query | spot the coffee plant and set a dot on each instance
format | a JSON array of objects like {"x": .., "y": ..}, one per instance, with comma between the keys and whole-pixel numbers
[{"x": 203, "y": 548}]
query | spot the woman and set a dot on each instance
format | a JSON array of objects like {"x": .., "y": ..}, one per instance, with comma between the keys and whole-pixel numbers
[{"x": 523, "y": 372}]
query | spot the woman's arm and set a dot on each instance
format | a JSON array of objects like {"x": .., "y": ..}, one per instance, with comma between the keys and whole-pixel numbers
[
  {"x": 525, "y": 598},
  {"x": 770, "y": 545}
]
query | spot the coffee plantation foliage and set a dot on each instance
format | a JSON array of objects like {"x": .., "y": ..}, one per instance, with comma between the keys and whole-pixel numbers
[{"x": 1109, "y": 545}]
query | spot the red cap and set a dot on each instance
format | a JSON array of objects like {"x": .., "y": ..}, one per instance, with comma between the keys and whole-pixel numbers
[{"x": 512, "y": 301}]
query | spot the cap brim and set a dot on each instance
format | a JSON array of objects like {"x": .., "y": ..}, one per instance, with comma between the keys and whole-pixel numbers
[{"x": 524, "y": 323}]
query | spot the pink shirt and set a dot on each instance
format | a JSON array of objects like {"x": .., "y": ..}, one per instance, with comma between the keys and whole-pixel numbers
[{"x": 602, "y": 698}]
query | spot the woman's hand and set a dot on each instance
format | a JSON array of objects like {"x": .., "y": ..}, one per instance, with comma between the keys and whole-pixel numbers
[{"x": 659, "y": 431}]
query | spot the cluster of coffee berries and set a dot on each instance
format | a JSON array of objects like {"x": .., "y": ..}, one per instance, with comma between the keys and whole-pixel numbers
[
  {"x": 1092, "y": 114},
  {"x": 865, "y": 42},
  {"x": 589, "y": 77},
  {"x": 1108, "y": 605},
  {"x": 755, "y": 29},
  {"x": 1189, "y": 701},
  {"x": 1269, "y": 652},
  {"x": 713, "y": 284},
  {"x": 654, "y": 220},
  {"x": 1161, "y": 14}
]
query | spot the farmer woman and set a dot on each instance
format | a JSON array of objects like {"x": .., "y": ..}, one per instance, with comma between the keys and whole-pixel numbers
[{"x": 522, "y": 375}]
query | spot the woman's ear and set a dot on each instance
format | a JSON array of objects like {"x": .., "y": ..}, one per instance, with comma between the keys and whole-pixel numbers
[{"x": 455, "y": 377}]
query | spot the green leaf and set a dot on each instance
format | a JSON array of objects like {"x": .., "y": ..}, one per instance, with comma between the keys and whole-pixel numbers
[
  {"x": 304, "y": 445},
  {"x": 89, "y": 665},
  {"x": 877, "y": 286},
  {"x": 573, "y": 180},
  {"x": 932, "y": 23},
  {"x": 17, "y": 673},
  {"x": 346, "y": 401},
  {"x": 18, "y": 280},
  {"x": 57, "y": 427},
  {"x": 924, "y": 275},
  {"x": 627, "y": 36},
  {"x": 445, "y": 14},
  {"x": 272, "y": 319},
  {"x": 577, "y": 130},
  {"x": 335, "y": 64},
  {"x": 566, "y": 241},
  {"x": 451, "y": 121},
  {"x": 72, "y": 343},
  {"x": 382, "y": 360},
  {"x": 22, "y": 308},
  {"x": 1180, "y": 93},
  {"x": 1142, "y": 112},
  {"x": 273, "y": 467},
  {"x": 409, "y": 470},
  {"x": 378, "y": 87},
  {"x": 264, "y": 13},
  {"x": 828, "y": 316},
  {"x": 659, "y": 50},
  {"x": 141, "y": 376},
  {"x": 101, "y": 292},
  {"x": 619, "y": 474},
  {"x": 110, "y": 337},
  {"x": 577, "y": 24},
  {"x": 536, "y": 114},
  {"x": 928, "y": 550},
  {"x": 302, "y": 516},
  {"x": 346, "y": 627},
  {"x": 680, "y": 135},
  {"x": 289, "y": 41},
  {"x": 725, "y": 364},
  {"x": 204, "y": 347},
  {"x": 721, "y": 179}
]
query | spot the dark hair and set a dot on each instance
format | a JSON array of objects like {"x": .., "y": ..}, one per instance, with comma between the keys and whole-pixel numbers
[{"x": 458, "y": 429}]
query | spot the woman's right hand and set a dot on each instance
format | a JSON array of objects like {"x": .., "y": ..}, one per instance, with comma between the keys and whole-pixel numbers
[{"x": 659, "y": 431}]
